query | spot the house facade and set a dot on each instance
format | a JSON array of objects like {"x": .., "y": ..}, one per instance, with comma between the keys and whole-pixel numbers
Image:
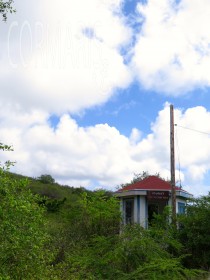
[{"x": 139, "y": 201}]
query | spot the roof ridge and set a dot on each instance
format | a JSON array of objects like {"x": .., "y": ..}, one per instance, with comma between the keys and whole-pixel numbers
[{"x": 152, "y": 182}]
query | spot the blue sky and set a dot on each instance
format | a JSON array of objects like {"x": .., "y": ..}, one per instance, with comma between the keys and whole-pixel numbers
[
  {"x": 136, "y": 106},
  {"x": 87, "y": 101}
]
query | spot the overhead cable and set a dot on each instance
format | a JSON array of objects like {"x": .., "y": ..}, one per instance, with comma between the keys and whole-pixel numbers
[{"x": 192, "y": 129}]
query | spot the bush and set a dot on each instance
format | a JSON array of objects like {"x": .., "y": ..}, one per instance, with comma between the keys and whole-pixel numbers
[
  {"x": 194, "y": 232},
  {"x": 46, "y": 179},
  {"x": 22, "y": 235}
]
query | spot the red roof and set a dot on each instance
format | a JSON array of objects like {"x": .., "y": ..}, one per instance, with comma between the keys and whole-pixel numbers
[{"x": 150, "y": 183}]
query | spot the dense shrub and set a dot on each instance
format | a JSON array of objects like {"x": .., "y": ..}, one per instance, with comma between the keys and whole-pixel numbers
[{"x": 46, "y": 179}]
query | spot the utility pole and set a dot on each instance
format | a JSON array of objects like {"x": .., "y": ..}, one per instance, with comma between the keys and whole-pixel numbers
[{"x": 173, "y": 184}]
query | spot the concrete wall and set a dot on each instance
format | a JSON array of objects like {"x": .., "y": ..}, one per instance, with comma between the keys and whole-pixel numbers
[
  {"x": 136, "y": 209},
  {"x": 178, "y": 200},
  {"x": 122, "y": 211},
  {"x": 141, "y": 209}
]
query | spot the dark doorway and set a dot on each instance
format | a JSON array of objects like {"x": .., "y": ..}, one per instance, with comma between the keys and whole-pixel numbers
[
  {"x": 155, "y": 207},
  {"x": 129, "y": 211},
  {"x": 152, "y": 210}
]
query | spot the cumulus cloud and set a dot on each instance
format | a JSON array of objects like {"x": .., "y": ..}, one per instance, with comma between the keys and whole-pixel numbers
[
  {"x": 70, "y": 59},
  {"x": 172, "y": 53},
  {"x": 100, "y": 155},
  {"x": 66, "y": 59}
]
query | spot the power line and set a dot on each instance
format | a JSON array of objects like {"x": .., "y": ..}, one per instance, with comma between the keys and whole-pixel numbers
[
  {"x": 188, "y": 128},
  {"x": 192, "y": 129}
]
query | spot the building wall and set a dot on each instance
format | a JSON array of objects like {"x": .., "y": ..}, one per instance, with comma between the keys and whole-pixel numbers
[
  {"x": 136, "y": 210},
  {"x": 141, "y": 209},
  {"x": 180, "y": 205},
  {"x": 122, "y": 211},
  {"x": 179, "y": 201}
]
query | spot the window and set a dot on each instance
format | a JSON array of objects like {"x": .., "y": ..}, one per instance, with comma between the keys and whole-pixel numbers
[
  {"x": 181, "y": 208},
  {"x": 129, "y": 211}
]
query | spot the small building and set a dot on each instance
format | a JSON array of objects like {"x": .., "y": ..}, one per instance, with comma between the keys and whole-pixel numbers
[{"x": 139, "y": 201}]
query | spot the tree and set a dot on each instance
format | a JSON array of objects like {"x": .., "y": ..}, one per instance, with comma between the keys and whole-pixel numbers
[
  {"x": 22, "y": 235},
  {"x": 133, "y": 255},
  {"x": 139, "y": 177},
  {"x": 6, "y": 7},
  {"x": 194, "y": 232},
  {"x": 100, "y": 213},
  {"x": 46, "y": 179}
]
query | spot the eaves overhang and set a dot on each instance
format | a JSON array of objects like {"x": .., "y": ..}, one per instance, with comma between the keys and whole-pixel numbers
[{"x": 128, "y": 193}]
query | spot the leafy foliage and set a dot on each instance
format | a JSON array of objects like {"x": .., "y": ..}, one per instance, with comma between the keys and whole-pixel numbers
[
  {"x": 132, "y": 255},
  {"x": 165, "y": 233},
  {"x": 22, "y": 238},
  {"x": 46, "y": 179},
  {"x": 100, "y": 213},
  {"x": 194, "y": 232},
  {"x": 6, "y": 7},
  {"x": 52, "y": 205},
  {"x": 168, "y": 269},
  {"x": 139, "y": 177},
  {"x": 48, "y": 231},
  {"x": 137, "y": 247}
]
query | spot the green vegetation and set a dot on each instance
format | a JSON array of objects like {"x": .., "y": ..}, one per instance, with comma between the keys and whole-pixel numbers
[
  {"x": 195, "y": 231},
  {"x": 22, "y": 239},
  {"x": 21, "y": 231},
  {"x": 46, "y": 179},
  {"x": 48, "y": 231},
  {"x": 6, "y": 7},
  {"x": 139, "y": 177}
]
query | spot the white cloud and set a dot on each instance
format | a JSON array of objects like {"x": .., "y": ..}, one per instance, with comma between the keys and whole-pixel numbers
[
  {"x": 172, "y": 53},
  {"x": 135, "y": 135},
  {"x": 67, "y": 59},
  {"x": 100, "y": 156}
]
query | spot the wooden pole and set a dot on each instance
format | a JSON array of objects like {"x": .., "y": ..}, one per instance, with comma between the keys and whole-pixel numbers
[{"x": 173, "y": 184}]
